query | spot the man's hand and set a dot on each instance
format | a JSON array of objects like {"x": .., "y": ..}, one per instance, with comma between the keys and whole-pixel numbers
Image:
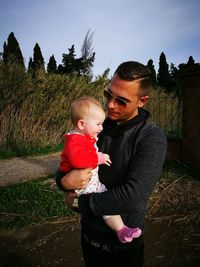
[
  {"x": 76, "y": 179},
  {"x": 69, "y": 199},
  {"x": 107, "y": 159}
]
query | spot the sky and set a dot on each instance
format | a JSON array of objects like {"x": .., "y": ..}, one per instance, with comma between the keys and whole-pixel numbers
[{"x": 122, "y": 30}]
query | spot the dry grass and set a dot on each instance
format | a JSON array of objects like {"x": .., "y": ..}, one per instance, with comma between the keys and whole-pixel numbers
[
  {"x": 35, "y": 113},
  {"x": 180, "y": 199}
]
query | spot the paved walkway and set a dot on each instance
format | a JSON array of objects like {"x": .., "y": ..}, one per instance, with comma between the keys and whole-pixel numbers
[{"x": 16, "y": 170}]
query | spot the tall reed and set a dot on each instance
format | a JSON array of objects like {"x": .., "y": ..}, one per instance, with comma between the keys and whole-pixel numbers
[{"x": 34, "y": 113}]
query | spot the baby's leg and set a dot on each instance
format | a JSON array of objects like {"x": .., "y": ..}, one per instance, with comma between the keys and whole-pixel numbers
[
  {"x": 114, "y": 222},
  {"x": 124, "y": 233}
]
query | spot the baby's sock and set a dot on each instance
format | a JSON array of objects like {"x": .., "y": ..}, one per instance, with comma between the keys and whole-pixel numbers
[{"x": 127, "y": 234}]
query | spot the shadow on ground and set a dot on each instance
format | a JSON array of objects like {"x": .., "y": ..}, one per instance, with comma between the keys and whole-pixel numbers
[{"x": 58, "y": 244}]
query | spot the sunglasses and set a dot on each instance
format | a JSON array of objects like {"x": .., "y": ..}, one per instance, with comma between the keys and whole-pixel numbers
[{"x": 119, "y": 100}]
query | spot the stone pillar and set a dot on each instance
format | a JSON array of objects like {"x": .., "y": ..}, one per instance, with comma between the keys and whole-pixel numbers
[{"x": 190, "y": 86}]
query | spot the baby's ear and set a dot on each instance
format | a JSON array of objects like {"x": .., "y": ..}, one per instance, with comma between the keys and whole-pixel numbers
[{"x": 80, "y": 124}]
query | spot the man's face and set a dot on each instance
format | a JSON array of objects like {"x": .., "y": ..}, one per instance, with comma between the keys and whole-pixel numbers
[{"x": 128, "y": 91}]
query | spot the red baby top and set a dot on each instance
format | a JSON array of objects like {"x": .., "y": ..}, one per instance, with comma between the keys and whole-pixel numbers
[{"x": 79, "y": 152}]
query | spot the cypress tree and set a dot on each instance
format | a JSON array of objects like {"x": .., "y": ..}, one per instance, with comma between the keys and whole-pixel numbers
[
  {"x": 152, "y": 69},
  {"x": 38, "y": 60},
  {"x": 190, "y": 61},
  {"x": 52, "y": 66},
  {"x": 30, "y": 65},
  {"x": 190, "y": 64},
  {"x": 60, "y": 69},
  {"x": 163, "y": 76},
  {"x": 12, "y": 51},
  {"x": 173, "y": 83}
]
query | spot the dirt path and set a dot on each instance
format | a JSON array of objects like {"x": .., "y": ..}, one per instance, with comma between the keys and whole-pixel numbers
[{"x": 16, "y": 170}]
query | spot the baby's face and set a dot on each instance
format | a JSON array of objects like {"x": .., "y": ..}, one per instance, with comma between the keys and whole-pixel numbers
[{"x": 93, "y": 124}]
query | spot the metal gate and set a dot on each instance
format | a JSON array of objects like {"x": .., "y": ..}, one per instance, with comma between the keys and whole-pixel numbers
[{"x": 166, "y": 112}]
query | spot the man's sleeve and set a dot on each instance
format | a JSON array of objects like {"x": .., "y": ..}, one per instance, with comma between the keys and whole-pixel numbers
[{"x": 58, "y": 177}]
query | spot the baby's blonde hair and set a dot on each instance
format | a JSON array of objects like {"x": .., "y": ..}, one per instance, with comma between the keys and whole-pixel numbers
[{"x": 81, "y": 108}]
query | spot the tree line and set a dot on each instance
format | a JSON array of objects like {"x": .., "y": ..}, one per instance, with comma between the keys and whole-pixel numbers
[
  {"x": 70, "y": 63},
  {"x": 166, "y": 78}
]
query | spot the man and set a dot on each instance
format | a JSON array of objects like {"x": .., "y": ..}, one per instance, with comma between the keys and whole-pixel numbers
[{"x": 137, "y": 149}]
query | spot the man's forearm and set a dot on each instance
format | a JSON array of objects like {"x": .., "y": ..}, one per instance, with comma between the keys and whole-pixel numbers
[{"x": 75, "y": 179}]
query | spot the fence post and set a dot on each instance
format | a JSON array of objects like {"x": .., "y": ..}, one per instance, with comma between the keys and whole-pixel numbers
[{"x": 190, "y": 87}]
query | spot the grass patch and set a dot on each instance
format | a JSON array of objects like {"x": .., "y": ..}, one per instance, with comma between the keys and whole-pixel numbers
[
  {"x": 30, "y": 202},
  {"x": 6, "y": 153},
  {"x": 40, "y": 200}
]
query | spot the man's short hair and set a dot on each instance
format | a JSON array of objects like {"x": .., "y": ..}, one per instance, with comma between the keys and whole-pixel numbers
[{"x": 132, "y": 70}]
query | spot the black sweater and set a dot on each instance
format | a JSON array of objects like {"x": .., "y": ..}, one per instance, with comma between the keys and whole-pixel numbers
[{"x": 137, "y": 150}]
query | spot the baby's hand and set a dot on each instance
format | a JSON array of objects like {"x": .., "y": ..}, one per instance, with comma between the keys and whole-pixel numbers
[{"x": 107, "y": 159}]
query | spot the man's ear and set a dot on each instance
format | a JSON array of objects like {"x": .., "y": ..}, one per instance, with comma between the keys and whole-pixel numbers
[
  {"x": 80, "y": 124},
  {"x": 143, "y": 100}
]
